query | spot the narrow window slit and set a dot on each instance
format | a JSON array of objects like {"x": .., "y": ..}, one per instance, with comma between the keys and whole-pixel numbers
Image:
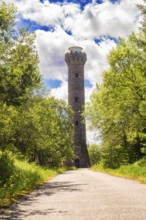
[{"x": 76, "y": 99}]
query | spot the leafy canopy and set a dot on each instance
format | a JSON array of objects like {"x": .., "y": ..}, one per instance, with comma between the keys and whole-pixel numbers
[{"x": 117, "y": 107}]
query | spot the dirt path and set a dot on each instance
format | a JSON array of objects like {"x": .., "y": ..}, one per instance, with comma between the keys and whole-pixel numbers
[{"x": 83, "y": 195}]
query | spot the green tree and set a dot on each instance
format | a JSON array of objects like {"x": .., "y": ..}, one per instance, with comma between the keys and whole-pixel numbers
[
  {"x": 44, "y": 131},
  {"x": 117, "y": 106},
  {"x": 38, "y": 127},
  {"x": 19, "y": 73},
  {"x": 8, "y": 115},
  {"x": 94, "y": 154}
]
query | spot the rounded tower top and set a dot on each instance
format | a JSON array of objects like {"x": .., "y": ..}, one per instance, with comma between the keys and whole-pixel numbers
[{"x": 75, "y": 49}]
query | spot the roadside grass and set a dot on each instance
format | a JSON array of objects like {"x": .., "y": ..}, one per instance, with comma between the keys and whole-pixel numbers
[
  {"x": 26, "y": 177},
  {"x": 131, "y": 171}
]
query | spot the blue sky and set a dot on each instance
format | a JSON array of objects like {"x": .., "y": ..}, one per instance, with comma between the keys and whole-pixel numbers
[
  {"x": 95, "y": 25},
  {"x": 57, "y": 83},
  {"x": 82, "y": 2}
]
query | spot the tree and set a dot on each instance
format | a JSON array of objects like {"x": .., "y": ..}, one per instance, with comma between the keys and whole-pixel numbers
[
  {"x": 19, "y": 73},
  {"x": 44, "y": 131},
  {"x": 94, "y": 154},
  {"x": 8, "y": 115},
  {"x": 38, "y": 127},
  {"x": 117, "y": 106}
]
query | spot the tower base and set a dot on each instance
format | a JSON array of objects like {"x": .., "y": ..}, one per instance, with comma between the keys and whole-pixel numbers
[{"x": 81, "y": 159}]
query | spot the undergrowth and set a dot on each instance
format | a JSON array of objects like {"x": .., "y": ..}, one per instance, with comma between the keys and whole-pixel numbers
[
  {"x": 136, "y": 171},
  {"x": 23, "y": 179}
]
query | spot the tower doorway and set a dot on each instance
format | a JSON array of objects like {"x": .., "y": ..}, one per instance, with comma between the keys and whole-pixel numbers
[{"x": 77, "y": 163}]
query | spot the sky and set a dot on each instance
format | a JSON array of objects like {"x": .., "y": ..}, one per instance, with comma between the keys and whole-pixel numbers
[{"x": 94, "y": 25}]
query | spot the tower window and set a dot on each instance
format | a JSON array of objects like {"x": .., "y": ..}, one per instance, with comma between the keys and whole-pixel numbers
[
  {"x": 76, "y": 99},
  {"x": 76, "y": 75},
  {"x": 77, "y": 123}
]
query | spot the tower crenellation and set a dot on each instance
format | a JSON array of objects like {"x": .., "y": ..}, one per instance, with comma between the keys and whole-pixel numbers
[{"x": 75, "y": 58}]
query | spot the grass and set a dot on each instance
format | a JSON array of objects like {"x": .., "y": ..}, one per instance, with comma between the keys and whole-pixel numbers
[
  {"x": 131, "y": 171},
  {"x": 26, "y": 177}
]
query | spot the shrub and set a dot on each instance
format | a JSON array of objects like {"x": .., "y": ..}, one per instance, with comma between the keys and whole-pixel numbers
[
  {"x": 114, "y": 157},
  {"x": 94, "y": 154},
  {"x": 6, "y": 167},
  {"x": 142, "y": 162}
]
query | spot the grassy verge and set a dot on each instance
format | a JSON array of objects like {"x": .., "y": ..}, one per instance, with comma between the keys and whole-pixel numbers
[
  {"x": 25, "y": 178},
  {"x": 132, "y": 171}
]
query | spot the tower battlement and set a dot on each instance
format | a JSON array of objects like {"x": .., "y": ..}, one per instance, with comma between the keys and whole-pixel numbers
[{"x": 75, "y": 58}]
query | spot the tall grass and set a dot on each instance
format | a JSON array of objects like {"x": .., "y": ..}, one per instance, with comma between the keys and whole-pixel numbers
[
  {"x": 136, "y": 171},
  {"x": 24, "y": 179}
]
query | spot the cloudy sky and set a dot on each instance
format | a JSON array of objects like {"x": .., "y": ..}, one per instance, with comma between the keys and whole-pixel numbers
[{"x": 94, "y": 25}]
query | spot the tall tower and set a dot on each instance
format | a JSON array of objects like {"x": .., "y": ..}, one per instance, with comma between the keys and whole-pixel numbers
[{"x": 75, "y": 60}]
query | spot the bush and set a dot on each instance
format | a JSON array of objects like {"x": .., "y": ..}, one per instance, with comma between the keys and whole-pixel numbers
[
  {"x": 94, "y": 154},
  {"x": 7, "y": 168},
  {"x": 23, "y": 179},
  {"x": 142, "y": 162},
  {"x": 114, "y": 157}
]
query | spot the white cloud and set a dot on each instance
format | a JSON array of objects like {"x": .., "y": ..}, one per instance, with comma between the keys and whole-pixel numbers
[
  {"x": 43, "y": 14},
  {"x": 105, "y": 19},
  {"x": 52, "y": 47},
  {"x": 95, "y": 20},
  {"x": 93, "y": 137},
  {"x": 97, "y": 59},
  {"x": 88, "y": 93},
  {"x": 61, "y": 92}
]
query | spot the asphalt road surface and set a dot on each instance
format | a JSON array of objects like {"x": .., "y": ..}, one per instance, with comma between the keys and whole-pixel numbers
[{"x": 83, "y": 195}]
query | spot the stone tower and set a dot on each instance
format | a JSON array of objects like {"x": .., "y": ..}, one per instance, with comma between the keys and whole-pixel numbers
[{"x": 75, "y": 60}]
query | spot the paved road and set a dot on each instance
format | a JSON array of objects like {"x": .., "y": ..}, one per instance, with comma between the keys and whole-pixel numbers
[{"x": 84, "y": 195}]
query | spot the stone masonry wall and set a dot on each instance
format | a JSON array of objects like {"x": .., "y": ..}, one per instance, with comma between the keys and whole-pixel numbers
[{"x": 76, "y": 99}]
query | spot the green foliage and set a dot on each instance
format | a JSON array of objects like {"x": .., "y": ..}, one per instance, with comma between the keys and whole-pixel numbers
[
  {"x": 38, "y": 127},
  {"x": 41, "y": 130},
  {"x": 94, "y": 153},
  {"x": 44, "y": 131},
  {"x": 117, "y": 107},
  {"x": 142, "y": 162},
  {"x": 23, "y": 179},
  {"x": 113, "y": 157},
  {"x": 6, "y": 167},
  {"x": 32, "y": 125},
  {"x": 8, "y": 115},
  {"x": 19, "y": 73},
  {"x": 7, "y": 20},
  {"x": 132, "y": 171}
]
